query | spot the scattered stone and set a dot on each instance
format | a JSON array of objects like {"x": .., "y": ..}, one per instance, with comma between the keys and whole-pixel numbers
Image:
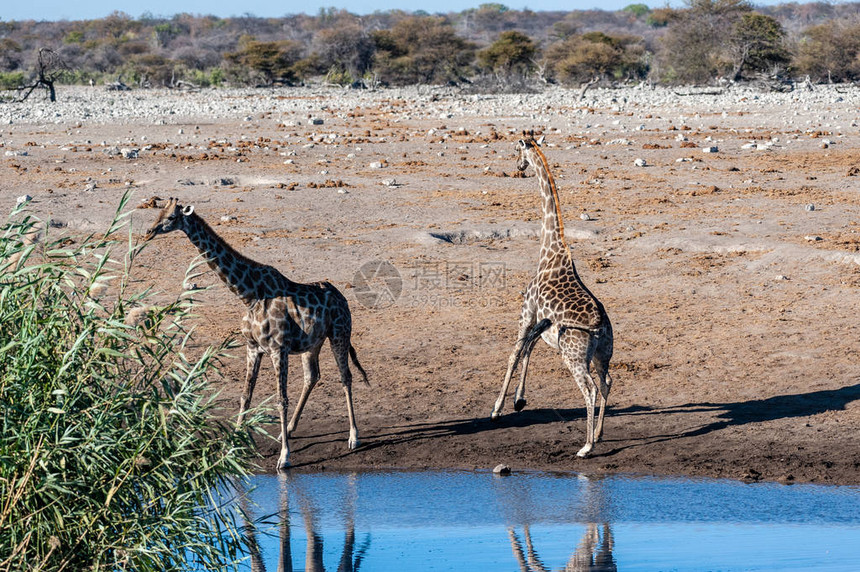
[
  {"x": 640, "y": 162},
  {"x": 191, "y": 286},
  {"x": 315, "y": 121},
  {"x": 711, "y": 149},
  {"x": 391, "y": 183},
  {"x": 229, "y": 218},
  {"x": 810, "y": 207},
  {"x": 150, "y": 203},
  {"x": 129, "y": 153},
  {"x": 376, "y": 165},
  {"x": 584, "y": 216},
  {"x": 225, "y": 181},
  {"x": 780, "y": 277},
  {"x": 16, "y": 153},
  {"x": 812, "y": 238},
  {"x": 112, "y": 151},
  {"x": 90, "y": 187},
  {"x": 502, "y": 470},
  {"x": 751, "y": 475},
  {"x": 23, "y": 199}
]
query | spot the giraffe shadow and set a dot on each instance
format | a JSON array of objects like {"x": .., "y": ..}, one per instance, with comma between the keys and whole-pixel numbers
[
  {"x": 421, "y": 431},
  {"x": 746, "y": 412}
]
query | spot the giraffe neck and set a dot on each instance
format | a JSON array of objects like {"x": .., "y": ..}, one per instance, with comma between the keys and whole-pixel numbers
[
  {"x": 552, "y": 230},
  {"x": 249, "y": 280}
]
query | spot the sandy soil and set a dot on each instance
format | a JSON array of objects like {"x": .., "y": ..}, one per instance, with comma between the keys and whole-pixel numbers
[{"x": 734, "y": 306}]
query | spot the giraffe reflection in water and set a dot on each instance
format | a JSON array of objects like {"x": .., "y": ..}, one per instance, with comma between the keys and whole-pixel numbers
[
  {"x": 522, "y": 508},
  {"x": 351, "y": 555},
  {"x": 593, "y": 554}
]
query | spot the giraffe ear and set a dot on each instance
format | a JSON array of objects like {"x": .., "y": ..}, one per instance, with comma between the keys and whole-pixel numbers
[{"x": 188, "y": 210}]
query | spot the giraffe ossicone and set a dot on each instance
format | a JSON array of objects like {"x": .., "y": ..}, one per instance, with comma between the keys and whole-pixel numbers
[
  {"x": 283, "y": 318},
  {"x": 559, "y": 309}
]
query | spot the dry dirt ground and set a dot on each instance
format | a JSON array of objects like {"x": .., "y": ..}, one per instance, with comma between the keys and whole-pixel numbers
[{"x": 735, "y": 306}]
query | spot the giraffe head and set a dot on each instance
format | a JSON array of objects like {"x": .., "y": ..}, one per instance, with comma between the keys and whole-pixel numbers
[
  {"x": 172, "y": 217},
  {"x": 524, "y": 145}
]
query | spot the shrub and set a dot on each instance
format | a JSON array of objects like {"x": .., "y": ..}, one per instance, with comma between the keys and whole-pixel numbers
[
  {"x": 582, "y": 57},
  {"x": 830, "y": 51},
  {"x": 11, "y": 80},
  {"x": 422, "y": 49},
  {"x": 111, "y": 456}
]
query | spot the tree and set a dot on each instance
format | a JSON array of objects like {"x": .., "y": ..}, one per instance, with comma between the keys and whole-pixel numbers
[
  {"x": 422, "y": 50},
  {"x": 271, "y": 60},
  {"x": 347, "y": 51},
  {"x": 830, "y": 50},
  {"x": 510, "y": 54},
  {"x": 48, "y": 69},
  {"x": 756, "y": 44},
  {"x": 695, "y": 47},
  {"x": 584, "y": 56}
]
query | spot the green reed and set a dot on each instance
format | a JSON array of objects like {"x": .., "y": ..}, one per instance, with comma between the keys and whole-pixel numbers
[{"x": 113, "y": 453}]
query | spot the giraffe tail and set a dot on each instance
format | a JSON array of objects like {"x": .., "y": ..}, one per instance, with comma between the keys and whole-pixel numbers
[{"x": 354, "y": 356}]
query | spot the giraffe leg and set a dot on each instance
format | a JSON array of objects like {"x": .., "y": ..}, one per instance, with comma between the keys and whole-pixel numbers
[
  {"x": 311, "y": 367},
  {"x": 602, "y": 355},
  {"x": 519, "y": 398},
  {"x": 253, "y": 358},
  {"x": 527, "y": 320},
  {"x": 340, "y": 347},
  {"x": 280, "y": 360},
  {"x": 575, "y": 348}
]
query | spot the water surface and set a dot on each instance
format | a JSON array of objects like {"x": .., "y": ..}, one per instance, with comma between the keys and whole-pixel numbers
[{"x": 545, "y": 521}]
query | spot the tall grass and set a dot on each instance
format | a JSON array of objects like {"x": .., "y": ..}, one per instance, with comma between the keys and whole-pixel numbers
[{"x": 112, "y": 453}]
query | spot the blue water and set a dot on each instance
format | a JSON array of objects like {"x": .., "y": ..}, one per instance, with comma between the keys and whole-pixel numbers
[{"x": 541, "y": 521}]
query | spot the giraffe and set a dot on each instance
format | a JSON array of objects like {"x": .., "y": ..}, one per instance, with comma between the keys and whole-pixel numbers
[
  {"x": 560, "y": 309},
  {"x": 283, "y": 318}
]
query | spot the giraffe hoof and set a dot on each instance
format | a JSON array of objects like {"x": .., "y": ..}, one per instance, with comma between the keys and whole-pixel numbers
[
  {"x": 519, "y": 404},
  {"x": 354, "y": 444},
  {"x": 583, "y": 453},
  {"x": 283, "y": 464},
  {"x": 495, "y": 416}
]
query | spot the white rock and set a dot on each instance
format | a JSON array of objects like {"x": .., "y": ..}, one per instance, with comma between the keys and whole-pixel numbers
[
  {"x": 711, "y": 149},
  {"x": 640, "y": 162},
  {"x": 23, "y": 199},
  {"x": 376, "y": 165}
]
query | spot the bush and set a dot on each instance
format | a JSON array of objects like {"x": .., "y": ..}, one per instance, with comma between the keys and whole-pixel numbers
[
  {"x": 581, "y": 57},
  {"x": 830, "y": 52},
  {"x": 11, "y": 80},
  {"x": 111, "y": 456},
  {"x": 422, "y": 50}
]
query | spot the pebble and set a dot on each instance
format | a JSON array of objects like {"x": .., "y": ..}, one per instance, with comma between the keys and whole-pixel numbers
[
  {"x": 812, "y": 238},
  {"x": 502, "y": 469},
  {"x": 23, "y": 199},
  {"x": 810, "y": 207},
  {"x": 229, "y": 218},
  {"x": 129, "y": 153},
  {"x": 315, "y": 121},
  {"x": 711, "y": 149},
  {"x": 640, "y": 162},
  {"x": 585, "y": 216},
  {"x": 376, "y": 165}
]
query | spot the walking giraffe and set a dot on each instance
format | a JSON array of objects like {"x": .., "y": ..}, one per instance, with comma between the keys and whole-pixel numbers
[
  {"x": 283, "y": 318},
  {"x": 560, "y": 309}
]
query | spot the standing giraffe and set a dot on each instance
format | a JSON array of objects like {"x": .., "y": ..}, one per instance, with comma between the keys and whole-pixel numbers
[
  {"x": 283, "y": 318},
  {"x": 560, "y": 309}
]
